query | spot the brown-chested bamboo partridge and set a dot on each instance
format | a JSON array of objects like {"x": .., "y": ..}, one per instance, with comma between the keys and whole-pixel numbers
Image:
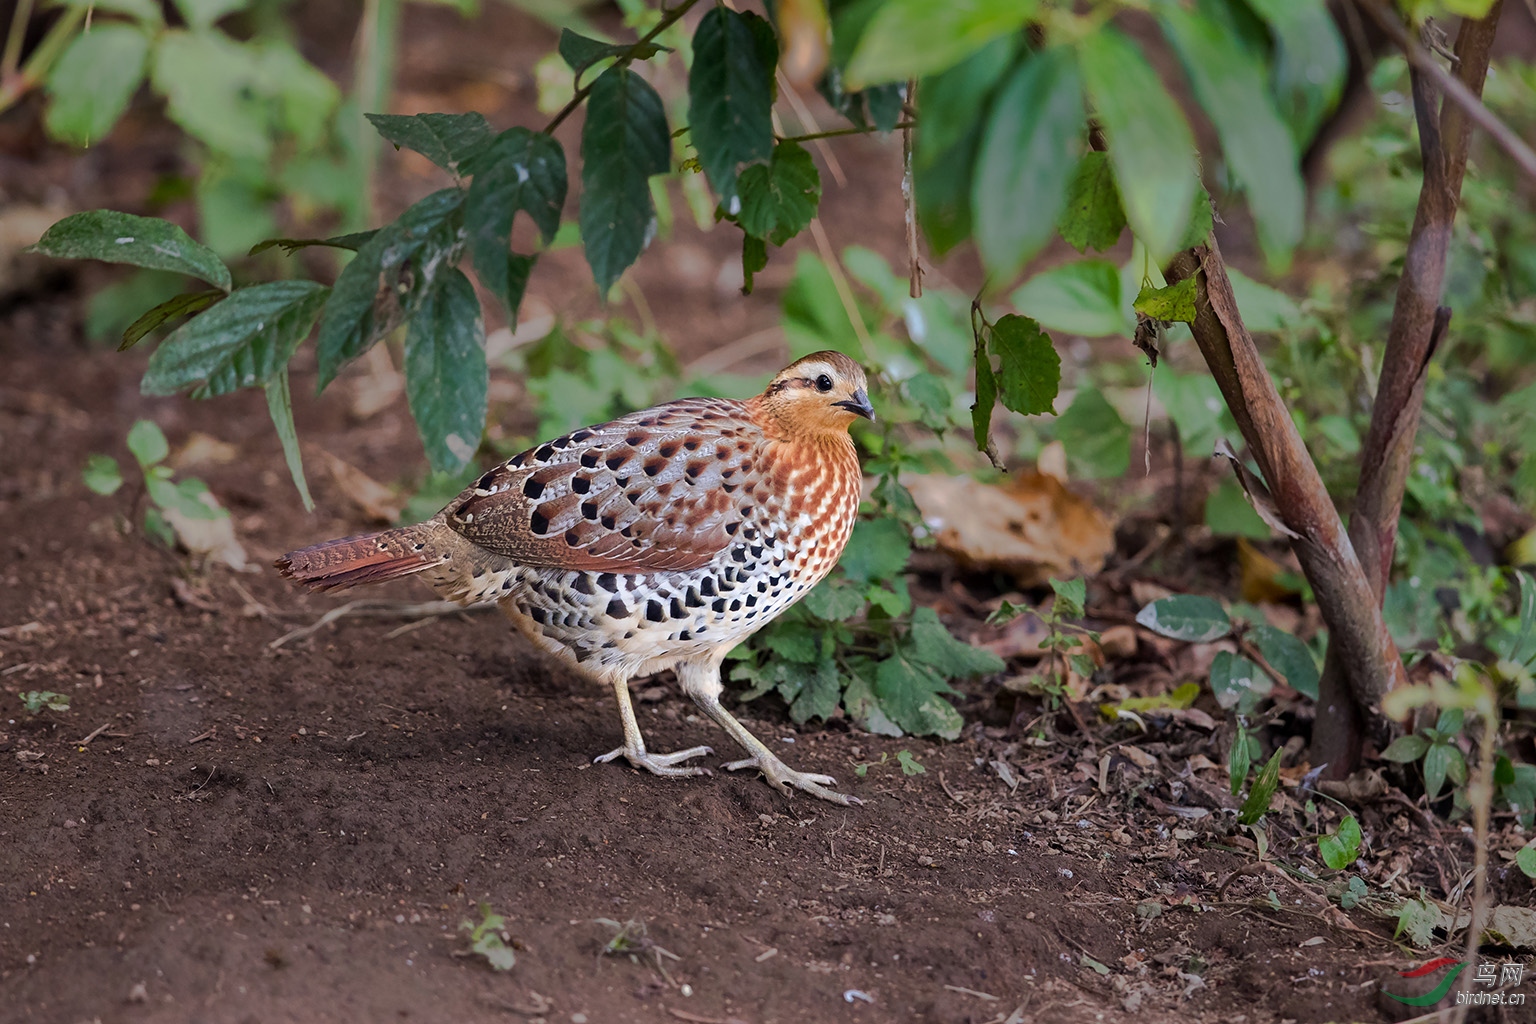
[{"x": 660, "y": 540}]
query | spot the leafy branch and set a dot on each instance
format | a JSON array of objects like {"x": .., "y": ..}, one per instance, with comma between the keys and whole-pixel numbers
[{"x": 642, "y": 49}]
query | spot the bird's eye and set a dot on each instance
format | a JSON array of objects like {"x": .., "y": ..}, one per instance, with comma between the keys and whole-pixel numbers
[{"x": 823, "y": 383}]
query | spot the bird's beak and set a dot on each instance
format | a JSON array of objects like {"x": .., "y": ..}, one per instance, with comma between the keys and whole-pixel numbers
[{"x": 858, "y": 405}]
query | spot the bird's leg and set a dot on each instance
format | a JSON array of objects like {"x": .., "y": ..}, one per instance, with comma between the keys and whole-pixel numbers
[
  {"x": 701, "y": 681},
  {"x": 634, "y": 750}
]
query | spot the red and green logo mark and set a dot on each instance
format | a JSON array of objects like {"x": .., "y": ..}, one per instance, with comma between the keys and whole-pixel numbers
[{"x": 1438, "y": 992}]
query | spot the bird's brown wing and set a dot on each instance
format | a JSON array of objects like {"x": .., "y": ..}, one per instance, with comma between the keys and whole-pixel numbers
[{"x": 657, "y": 490}]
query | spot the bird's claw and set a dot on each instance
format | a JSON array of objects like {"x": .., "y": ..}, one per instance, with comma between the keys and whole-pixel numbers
[
  {"x": 781, "y": 776},
  {"x": 658, "y": 764}
]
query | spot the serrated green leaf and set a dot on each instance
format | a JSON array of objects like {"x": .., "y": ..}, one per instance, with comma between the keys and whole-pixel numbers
[
  {"x": 878, "y": 549},
  {"x": 907, "y": 692},
  {"x": 818, "y": 692},
  {"x": 1076, "y": 298},
  {"x": 1406, "y": 749},
  {"x": 1175, "y": 303},
  {"x": 1263, "y": 792},
  {"x": 389, "y": 279},
  {"x": 1093, "y": 217},
  {"x": 1029, "y": 370},
  {"x": 1256, "y": 144},
  {"x": 1417, "y": 919},
  {"x": 624, "y": 142},
  {"x": 779, "y": 198},
  {"x": 1071, "y": 597},
  {"x": 519, "y": 170},
  {"x": 449, "y": 140},
  {"x": 101, "y": 474},
  {"x": 280, "y": 408},
  {"x": 1237, "y": 682},
  {"x": 908, "y": 38},
  {"x": 730, "y": 98},
  {"x": 1150, "y": 143},
  {"x": 1188, "y": 617},
  {"x": 242, "y": 342},
  {"x": 580, "y": 52},
  {"x": 1288, "y": 656},
  {"x": 795, "y": 641},
  {"x": 92, "y": 81},
  {"x": 1097, "y": 438},
  {"x": 185, "y": 304},
  {"x": 147, "y": 443},
  {"x": 1028, "y": 151},
  {"x": 147, "y": 242},
  {"x": 445, "y": 371},
  {"x": 834, "y": 601},
  {"x": 929, "y": 642}
]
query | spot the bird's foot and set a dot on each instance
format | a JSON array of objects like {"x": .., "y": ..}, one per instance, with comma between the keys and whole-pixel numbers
[
  {"x": 658, "y": 764},
  {"x": 781, "y": 776}
]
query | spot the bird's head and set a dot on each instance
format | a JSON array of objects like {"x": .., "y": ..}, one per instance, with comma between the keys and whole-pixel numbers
[{"x": 820, "y": 394}]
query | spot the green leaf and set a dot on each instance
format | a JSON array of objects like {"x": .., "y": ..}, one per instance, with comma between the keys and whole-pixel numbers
[
  {"x": 933, "y": 645},
  {"x": 817, "y": 693},
  {"x": 1418, "y": 919},
  {"x": 1150, "y": 143},
  {"x": 1071, "y": 597},
  {"x": 1189, "y": 617},
  {"x": 878, "y": 549},
  {"x": 1406, "y": 749},
  {"x": 1097, "y": 439},
  {"x": 101, "y": 474},
  {"x": 280, "y": 408},
  {"x": 754, "y": 258},
  {"x": 352, "y": 242},
  {"x": 1256, "y": 144},
  {"x": 1310, "y": 61},
  {"x": 730, "y": 97},
  {"x": 445, "y": 371},
  {"x": 1093, "y": 217},
  {"x": 91, "y": 83},
  {"x": 779, "y": 199},
  {"x": 185, "y": 304},
  {"x": 1076, "y": 298},
  {"x": 1029, "y": 370},
  {"x": 1263, "y": 792},
  {"x": 448, "y": 140},
  {"x": 1175, "y": 303},
  {"x": 1342, "y": 848},
  {"x": 1288, "y": 656},
  {"x": 1437, "y": 767},
  {"x": 1027, "y": 155},
  {"x": 834, "y": 601},
  {"x": 1195, "y": 405},
  {"x": 1264, "y": 308},
  {"x": 908, "y": 693},
  {"x": 1525, "y": 860},
  {"x": 388, "y": 280},
  {"x": 147, "y": 443},
  {"x": 579, "y": 52},
  {"x": 1239, "y": 760},
  {"x": 1521, "y": 646},
  {"x": 519, "y": 170},
  {"x": 203, "y": 13},
  {"x": 794, "y": 641},
  {"x": 242, "y": 342},
  {"x": 209, "y": 84},
  {"x": 146, "y": 11},
  {"x": 1237, "y": 682},
  {"x": 623, "y": 143},
  {"x": 908, "y": 38},
  {"x": 986, "y": 396},
  {"x": 147, "y": 242},
  {"x": 1229, "y": 514}
]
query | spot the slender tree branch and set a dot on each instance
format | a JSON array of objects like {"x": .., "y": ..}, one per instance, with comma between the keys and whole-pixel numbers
[
  {"x": 669, "y": 18},
  {"x": 1344, "y": 594},
  {"x": 834, "y": 132},
  {"x": 1456, "y": 89},
  {"x": 1417, "y": 327}
]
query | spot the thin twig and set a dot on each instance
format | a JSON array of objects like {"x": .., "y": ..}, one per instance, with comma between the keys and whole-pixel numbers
[
  {"x": 668, "y": 19},
  {"x": 833, "y": 133},
  {"x": 807, "y": 119},
  {"x": 377, "y": 609},
  {"x": 914, "y": 268},
  {"x": 93, "y": 734},
  {"x": 1454, "y": 89}
]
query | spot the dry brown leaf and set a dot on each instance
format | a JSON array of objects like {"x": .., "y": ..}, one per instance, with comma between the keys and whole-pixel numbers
[
  {"x": 1262, "y": 576},
  {"x": 379, "y": 387},
  {"x": 209, "y": 539},
  {"x": 203, "y": 449},
  {"x": 1032, "y": 527},
  {"x": 379, "y": 503}
]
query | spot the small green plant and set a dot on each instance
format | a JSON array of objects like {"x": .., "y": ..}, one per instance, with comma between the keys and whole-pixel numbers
[
  {"x": 629, "y": 938},
  {"x": 1525, "y": 859},
  {"x": 1352, "y": 894},
  {"x": 1341, "y": 847},
  {"x": 909, "y": 764},
  {"x": 1434, "y": 746},
  {"x": 1062, "y": 639},
  {"x": 188, "y": 498},
  {"x": 488, "y": 938},
  {"x": 34, "y": 701},
  {"x": 1262, "y": 794}
]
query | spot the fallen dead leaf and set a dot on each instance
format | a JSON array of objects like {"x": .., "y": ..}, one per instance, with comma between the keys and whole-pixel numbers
[
  {"x": 379, "y": 503},
  {"x": 209, "y": 539},
  {"x": 1263, "y": 578},
  {"x": 203, "y": 449},
  {"x": 1032, "y": 526}
]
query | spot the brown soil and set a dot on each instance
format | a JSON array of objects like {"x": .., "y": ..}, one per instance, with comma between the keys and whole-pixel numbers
[{"x": 260, "y": 835}]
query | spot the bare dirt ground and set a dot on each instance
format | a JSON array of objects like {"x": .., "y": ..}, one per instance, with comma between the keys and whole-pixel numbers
[{"x": 296, "y": 834}]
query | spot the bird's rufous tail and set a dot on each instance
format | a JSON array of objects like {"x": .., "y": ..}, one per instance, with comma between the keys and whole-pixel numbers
[{"x": 370, "y": 558}]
